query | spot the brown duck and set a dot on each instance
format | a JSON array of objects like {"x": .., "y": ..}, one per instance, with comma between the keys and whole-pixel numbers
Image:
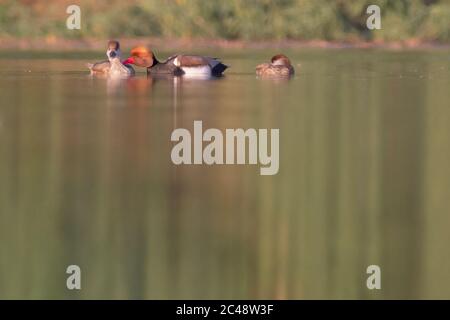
[
  {"x": 113, "y": 66},
  {"x": 280, "y": 66}
]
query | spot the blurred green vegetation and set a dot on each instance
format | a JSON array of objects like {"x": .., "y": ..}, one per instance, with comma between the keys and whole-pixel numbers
[{"x": 232, "y": 19}]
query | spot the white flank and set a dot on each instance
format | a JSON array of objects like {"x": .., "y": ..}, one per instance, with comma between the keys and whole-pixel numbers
[{"x": 197, "y": 71}]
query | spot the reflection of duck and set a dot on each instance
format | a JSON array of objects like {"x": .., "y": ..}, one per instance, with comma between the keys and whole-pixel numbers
[
  {"x": 280, "y": 66},
  {"x": 177, "y": 64},
  {"x": 113, "y": 66}
]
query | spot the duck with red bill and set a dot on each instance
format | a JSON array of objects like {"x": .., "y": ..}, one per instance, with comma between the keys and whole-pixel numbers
[{"x": 178, "y": 64}]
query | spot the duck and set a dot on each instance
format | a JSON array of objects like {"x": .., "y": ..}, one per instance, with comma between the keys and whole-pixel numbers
[
  {"x": 113, "y": 66},
  {"x": 279, "y": 66},
  {"x": 177, "y": 64}
]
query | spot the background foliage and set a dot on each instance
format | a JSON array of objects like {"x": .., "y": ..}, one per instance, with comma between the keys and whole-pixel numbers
[{"x": 231, "y": 19}]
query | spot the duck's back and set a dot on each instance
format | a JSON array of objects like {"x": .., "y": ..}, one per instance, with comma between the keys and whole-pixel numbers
[
  {"x": 270, "y": 70},
  {"x": 99, "y": 67},
  {"x": 166, "y": 67}
]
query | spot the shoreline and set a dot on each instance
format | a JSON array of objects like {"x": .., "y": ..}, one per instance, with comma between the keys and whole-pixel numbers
[{"x": 90, "y": 44}]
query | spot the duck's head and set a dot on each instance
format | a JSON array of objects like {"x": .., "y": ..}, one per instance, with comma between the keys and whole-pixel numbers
[
  {"x": 142, "y": 57},
  {"x": 280, "y": 60},
  {"x": 113, "y": 51}
]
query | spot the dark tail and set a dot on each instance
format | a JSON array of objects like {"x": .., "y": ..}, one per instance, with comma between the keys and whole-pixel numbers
[{"x": 219, "y": 69}]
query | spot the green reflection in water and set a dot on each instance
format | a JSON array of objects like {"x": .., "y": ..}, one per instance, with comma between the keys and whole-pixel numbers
[{"x": 86, "y": 178}]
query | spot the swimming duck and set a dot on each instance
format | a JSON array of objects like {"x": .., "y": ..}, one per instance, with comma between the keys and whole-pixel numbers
[
  {"x": 177, "y": 64},
  {"x": 113, "y": 66},
  {"x": 280, "y": 66}
]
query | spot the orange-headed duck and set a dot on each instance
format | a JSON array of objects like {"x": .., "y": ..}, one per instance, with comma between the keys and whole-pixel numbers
[
  {"x": 280, "y": 66},
  {"x": 177, "y": 64},
  {"x": 113, "y": 66}
]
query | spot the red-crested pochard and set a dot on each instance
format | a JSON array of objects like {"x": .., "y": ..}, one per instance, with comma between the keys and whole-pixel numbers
[
  {"x": 113, "y": 66},
  {"x": 280, "y": 66},
  {"x": 178, "y": 64}
]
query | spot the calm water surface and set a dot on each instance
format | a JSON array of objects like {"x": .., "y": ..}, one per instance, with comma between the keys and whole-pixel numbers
[{"x": 86, "y": 178}]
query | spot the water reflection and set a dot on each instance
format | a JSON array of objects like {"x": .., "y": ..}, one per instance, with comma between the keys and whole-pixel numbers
[{"x": 86, "y": 179}]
